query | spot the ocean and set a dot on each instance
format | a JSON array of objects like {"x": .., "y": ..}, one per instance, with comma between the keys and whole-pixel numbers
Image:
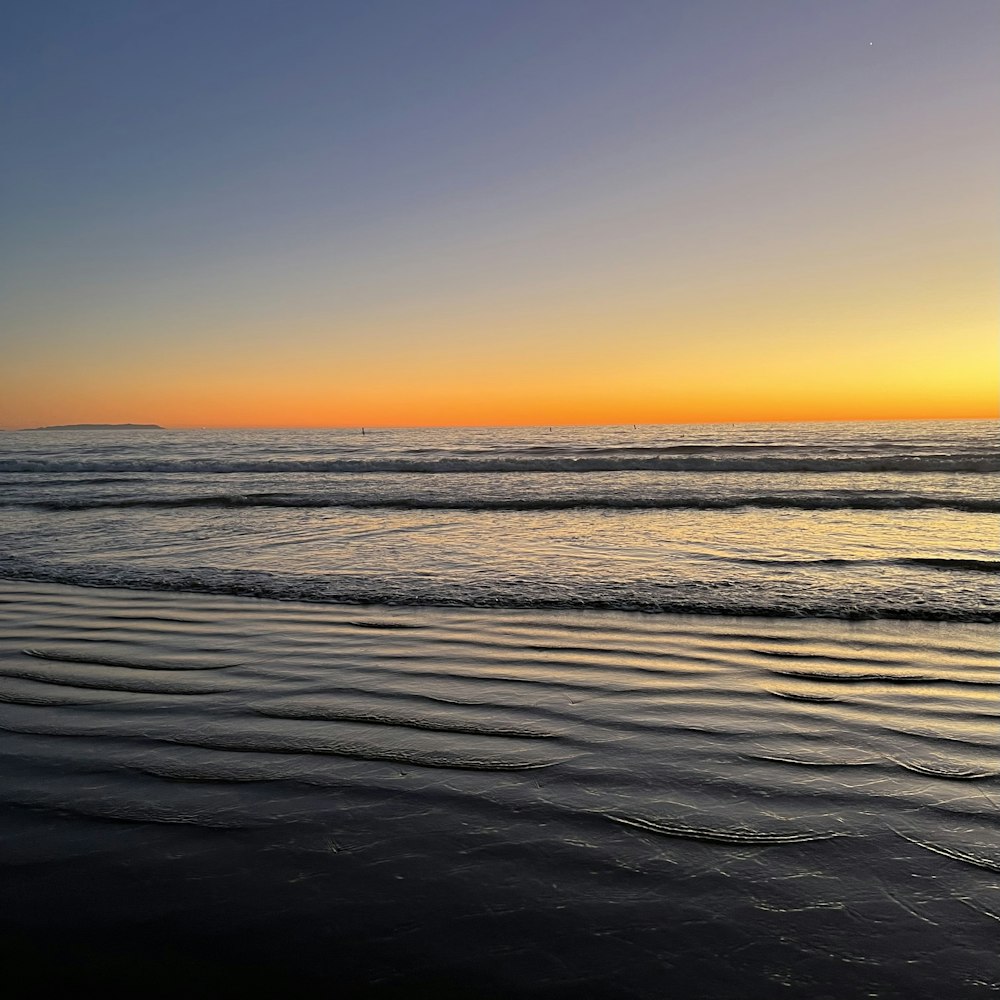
[
  {"x": 696, "y": 711},
  {"x": 789, "y": 520}
]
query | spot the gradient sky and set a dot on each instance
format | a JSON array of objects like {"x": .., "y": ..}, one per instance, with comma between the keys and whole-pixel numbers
[{"x": 292, "y": 212}]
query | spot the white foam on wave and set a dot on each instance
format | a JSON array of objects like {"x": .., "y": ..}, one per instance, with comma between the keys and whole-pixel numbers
[
  {"x": 833, "y": 500},
  {"x": 974, "y": 462},
  {"x": 412, "y": 592}
]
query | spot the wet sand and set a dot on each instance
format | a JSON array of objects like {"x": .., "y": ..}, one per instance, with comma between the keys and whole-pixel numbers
[{"x": 223, "y": 794}]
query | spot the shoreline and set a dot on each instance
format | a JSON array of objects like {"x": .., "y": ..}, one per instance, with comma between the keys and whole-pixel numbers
[{"x": 266, "y": 587}]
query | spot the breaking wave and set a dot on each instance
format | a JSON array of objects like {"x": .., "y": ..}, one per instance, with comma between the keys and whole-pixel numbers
[
  {"x": 924, "y": 562},
  {"x": 776, "y": 501},
  {"x": 664, "y": 460},
  {"x": 412, "y": 593}
]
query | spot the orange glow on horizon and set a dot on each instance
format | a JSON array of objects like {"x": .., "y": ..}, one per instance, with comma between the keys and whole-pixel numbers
[
  {"x": 903, "y": 350},
  {"x": 191, "y": 409},
  {"x": 640, "y": 379}
]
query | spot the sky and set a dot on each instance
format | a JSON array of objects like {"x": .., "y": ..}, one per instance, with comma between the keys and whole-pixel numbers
[{"x": 473, "y": 212}]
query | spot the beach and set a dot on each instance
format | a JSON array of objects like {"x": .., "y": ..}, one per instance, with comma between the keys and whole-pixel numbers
[
  {"x": 499, "y": 501},
  {"x": 612, "y": 712},
  {"x": 467, "y": 802}
]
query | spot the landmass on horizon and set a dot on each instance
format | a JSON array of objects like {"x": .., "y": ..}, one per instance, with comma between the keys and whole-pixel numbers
[{"x": 97, "y": 427}]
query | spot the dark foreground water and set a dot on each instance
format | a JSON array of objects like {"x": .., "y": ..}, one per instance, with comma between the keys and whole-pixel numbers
[{"x": 215, "y": 795}]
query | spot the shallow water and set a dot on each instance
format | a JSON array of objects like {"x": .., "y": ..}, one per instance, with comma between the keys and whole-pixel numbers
[{"x": 507, "y": 802}]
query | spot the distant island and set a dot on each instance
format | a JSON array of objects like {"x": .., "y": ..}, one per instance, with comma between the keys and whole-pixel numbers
[{"x": 98, "y": 427}]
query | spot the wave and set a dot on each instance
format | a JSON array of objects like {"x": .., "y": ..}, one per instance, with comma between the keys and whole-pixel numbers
[
  {"x": 298, "y": 743},
  {"x": 98, "y": 683},
  {"x": 943, "y": 769},
  {"x": 777, "y": 501},
  {"x": 359, "y": 591},
  {"x": 800, "y": 762},
  {"x": 55, "y": 699},
  {"x": 662, "y": 461},
  {"x": 924, "y": 562},
  {"x": 793, "y": 696},
  {"x": 74, "y": 481},
  {"x": 386, "y": 625},
  {"x": 880, "y": 678},
  {"x": 734, "y": 836},
  {"x": 972, "y": 565},
  {"x": 326, "y": 713},
  {"x": 91, "y": 659},
  {"x": 977, "y": 860},
  {"x": 130, "y": 812},
  {"x": 292, "y": 743}
]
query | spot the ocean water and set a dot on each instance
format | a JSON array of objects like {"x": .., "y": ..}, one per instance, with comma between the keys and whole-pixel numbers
[
  {"x": 834, "y": 520},
  {"x": 705, "y": 712}
]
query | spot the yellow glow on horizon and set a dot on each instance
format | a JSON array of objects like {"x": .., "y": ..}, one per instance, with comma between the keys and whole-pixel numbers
[
  {"x": 902, "y": 350},
  {"x": 596, "y": 386}
]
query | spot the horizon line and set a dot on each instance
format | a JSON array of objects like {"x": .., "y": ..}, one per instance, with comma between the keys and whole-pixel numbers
[{"x": 151, "y": 425}]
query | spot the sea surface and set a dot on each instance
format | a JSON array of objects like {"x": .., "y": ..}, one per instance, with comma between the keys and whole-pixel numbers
[
  {"x": 700, "y": 712},
  {"x": 821, "y": 520}
]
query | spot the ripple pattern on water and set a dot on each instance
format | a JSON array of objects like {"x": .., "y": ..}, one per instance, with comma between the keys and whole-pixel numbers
[{"x": 627, "y": 771}]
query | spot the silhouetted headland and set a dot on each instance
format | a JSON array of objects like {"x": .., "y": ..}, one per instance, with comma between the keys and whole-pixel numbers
[{"x": 98, "y": 427}]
